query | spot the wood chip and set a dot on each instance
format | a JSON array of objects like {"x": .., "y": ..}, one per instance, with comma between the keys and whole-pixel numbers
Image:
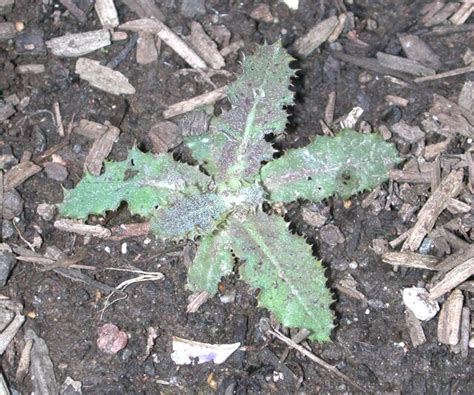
[
  {"x": 412, "y": 134},
  {"x": 449, "y": 321},
  {"x": 453, "y": 278},
  {"x": 348, "y": 287},
  {"x": 169, "y": 38},
  {"x": 463, "y": 13},
  {"x": 449, "y": 187},
  {"x": 455, "y": 259},
  {"x": 411, "y": 177},
  {"x": 125, "y": 231},
  {"x": 100, "y": 150},
  {"x": 6, "y": 6},
  {"x": 466, "y": 96},
  {"x": 6, "y": 111},
  {"x": 232, "y": 48},
  {"x": 107, "y": 13},
  {"x": 19, "y": 174},
  {"x": 404, "y": 65},
  {"x": 69, "y": 225},
  {"x": 456, "y": 206},
  {"x": 89, "y": 129},
  {"x": 58, "y": 120},
  {"x": 454, "y": 118},
  {"x": 411, "y": 259},
  {"x": 78, "y": 44},
  {"x": 7, "y": 31},
  {"x": 41, "y": 367},
  {"x": 195, "y": 102},
  {"x": 103, "y": 78},
  {"x": 397, "y": 100},
  {"x": 146, "y": 48},
  {"x": 433, "y": 150},
  {"x": 329, "y": 110},
  {"x": 369, "y": 64},
  {"x": 24, "y": 362},
  {"x": 145, "y": 9},
  {"x": 305, "y": 45},
  {"x": 30, "y": 69},
  {"x": 416, "y": 49},
  {"x": 443, "y": 14},
  {"x": 417, "y": 335},
  {"x": 164, "y": 136},
  {"x": 205, "y": 47},
  {"x": 75, "y": 11},
  {"x": 341, "y": 23}
]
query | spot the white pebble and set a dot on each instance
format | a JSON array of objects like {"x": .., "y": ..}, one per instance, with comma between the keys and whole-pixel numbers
[
  {"x": 417, "y": 300},
  {"x": 147, "y": 241},
  {"x": 107, "y": 249},
  {"x": 353, "y": 265},
  {"x": 124, "y": 248}
]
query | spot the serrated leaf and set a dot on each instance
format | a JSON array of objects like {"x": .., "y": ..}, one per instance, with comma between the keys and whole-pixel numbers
[
  {"x": 213, "y": 261},
  {"x": 235, "y": 147},
  {"x": 189, "y": 216},
  {"x": 346, "y": 164},
  {"x": 291, "y": 282},
  {"x": 143, "y": 180}
]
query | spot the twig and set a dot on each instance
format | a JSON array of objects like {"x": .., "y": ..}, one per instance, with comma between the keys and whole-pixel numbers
[
  {"x": 446, "y": 74},
  {"x": 195, "y": 102},
  {"x": 316, "y": 359},
  {"x": 58, "y": 119}
]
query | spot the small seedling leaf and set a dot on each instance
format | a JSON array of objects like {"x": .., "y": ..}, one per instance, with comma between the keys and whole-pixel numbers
[
  {"x": 343, "y": 165},
  {"x": 280, "y": 264},
  {"x": 213, "y": 261}
]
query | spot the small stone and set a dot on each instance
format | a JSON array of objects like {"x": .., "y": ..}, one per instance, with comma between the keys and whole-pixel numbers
[
  {"x": 418, "y": 301},
  {"x": 331, "y": 235},
  {"x": 111, "y": 339},
  {"x": 8, "y": 230},
  {"x": 46, "y": 211},
  {"x": 376, "y": 304},
  {"x": 380, "y": 246},
  {"x": 365, "y": 77},
  {"x": 228, "y": 297},
  {"x": 371, "y": 25},
  {"x": 55, "y": 171},
  {"x": 353, "y": 265},
  {"x": 340, "y": 265},
  {"x": 7, "y": 161},
  {"x": 12, "y": 204},
  {"x": 7, "y": 261},
  {"x": 6, "y": 111},
  {"x": 7, "y": 31},
  {"x": 262, "y": 13},
  {"x": 30, "y": 44},
  {"x": 313, "y": 216},
  {"x": 426, "y": 246}
]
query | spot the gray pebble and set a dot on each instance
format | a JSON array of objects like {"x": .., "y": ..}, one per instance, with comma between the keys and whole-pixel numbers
[
  {"x": 8, "y": 230},
  {"x": 46, "y": 211},
  {"x": 7, "y": 261},
  {"x": 376, "y": 304},
  {"x": 12, "y": 204},
  {"x": 330, "y": 234},
  {"x": 55, "y": 171},
  {"x": 340, "y": 265},
  {"x": 7, "y": 161}
]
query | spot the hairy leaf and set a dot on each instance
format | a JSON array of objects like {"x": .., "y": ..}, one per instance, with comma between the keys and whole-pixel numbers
[
  {"x": 346, "y": 164},
  {"x": 291, "y": 282},
  {"x": 213, "y": 261},
  {"x": 189, "y": 216},
  {"x": 235, "y": 147},
  {"x": 143, "y": 180}
]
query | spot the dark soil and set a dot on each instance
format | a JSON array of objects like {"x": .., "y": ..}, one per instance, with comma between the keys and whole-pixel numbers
[{"x": 370, "y": 344}]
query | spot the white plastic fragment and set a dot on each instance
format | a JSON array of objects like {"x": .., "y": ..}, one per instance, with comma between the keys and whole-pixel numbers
[
  {"x": 292, "y": 4},
  {"x": 418, "y": 301},
  {"x": 351, "y": 119},
  {"x": 185, "y": 352}
]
